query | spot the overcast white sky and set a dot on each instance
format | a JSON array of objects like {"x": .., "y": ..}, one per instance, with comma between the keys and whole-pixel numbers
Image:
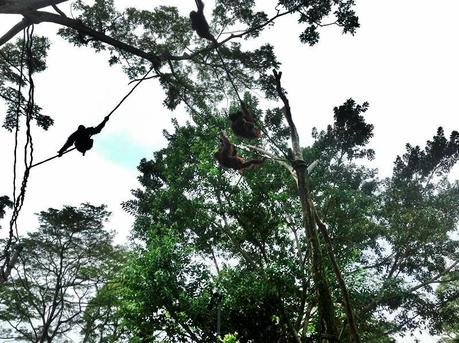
[{"x": 404, "y": 60}]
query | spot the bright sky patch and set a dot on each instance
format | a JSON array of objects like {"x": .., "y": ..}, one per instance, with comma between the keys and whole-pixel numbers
[{"x": 120, "y": 149}]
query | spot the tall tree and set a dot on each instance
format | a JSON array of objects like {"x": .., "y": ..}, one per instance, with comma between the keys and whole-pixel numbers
[
  {"x": 377, "y": 234},
  {"x": 162, "y": 47},
  {"x": 206, "y": 228},
  {"x": 60, "y": 268}
]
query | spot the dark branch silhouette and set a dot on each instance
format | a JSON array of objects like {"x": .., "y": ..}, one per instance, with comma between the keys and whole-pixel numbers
[
  {"x": 10, "y": 262},
  {"x": 37, "y": 17},
  {"x": 41, "y": 16}
]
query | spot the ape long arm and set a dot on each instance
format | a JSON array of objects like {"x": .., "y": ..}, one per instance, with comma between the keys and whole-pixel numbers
[
  {"x": 200, "y": 5},
  {"x": 95, "y": 130},
  {"x": 254, "y": 162},
  {"x": 68, "y": 144}
]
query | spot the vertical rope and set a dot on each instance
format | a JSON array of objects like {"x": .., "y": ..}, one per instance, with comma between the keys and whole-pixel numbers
[
  {"x": 18, "y": 111},
  {"x": 229, "y": 76},
  {"x": 31, "y": 101},
  {"x": 28, "y": 146},
  {"x": 18, "y": 200}
]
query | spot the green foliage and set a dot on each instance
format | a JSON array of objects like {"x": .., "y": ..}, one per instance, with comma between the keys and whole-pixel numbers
[
  {"x": 311, "y": 13},
  {"x": 101, "y": 319},
  {"x": 229, "y": 338},
  {"x": 160, "y": 31},
  {"x": 448, "y": 292},
  {"x": 314, "y": 12},
  {"x": 439, "y": 156},
  {"x": 199, "y": 227},
  {"x": 12, "y": 61},
  {"x": 100, "y": 16},
  {"x": 348, "y": 134},
  {"x": 392, "y": 239},
  {"x": 196, "y": 78},
  {"x": 179, "y": 214},
  {"x": 4, "y": 202},
  {"x": 162, "y": 288},
  {"x": 61, "y": 265}
]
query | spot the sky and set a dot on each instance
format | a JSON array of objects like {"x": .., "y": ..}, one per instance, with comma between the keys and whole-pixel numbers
[{"x": 403, "y": 60}]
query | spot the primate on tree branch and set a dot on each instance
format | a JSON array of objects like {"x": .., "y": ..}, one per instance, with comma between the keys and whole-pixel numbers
[
  {"x": 227, "y": 156},
  {"x": 243, "y": 124},
  {"x": 82, "y": 138},
  {"x": 199, "y": 23}
]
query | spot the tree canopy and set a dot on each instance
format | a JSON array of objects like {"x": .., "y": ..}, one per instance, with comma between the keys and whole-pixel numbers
[
  {"x": 310, "y": 245},
  {"x": 61, "y": 266}
]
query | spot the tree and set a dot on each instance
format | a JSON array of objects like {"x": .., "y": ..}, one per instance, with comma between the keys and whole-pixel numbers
[
  {"x": 163, "y": 50},
  {"x": 101, "y": 321},
  {"x": 4, "y": 202},
  {"x": 113, "y": 28},
  {"x": 9, "y": 262},
  {"x": 391, "y": 238},
  {"x": 189, "y": 213},
  {"x": 447, "y": 322},
  {"x": 61, "y": 267}
]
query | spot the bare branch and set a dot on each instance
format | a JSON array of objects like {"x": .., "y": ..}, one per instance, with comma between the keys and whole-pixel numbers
[
  {"x": 435, "y": 278},
  {"x": 40, "y": 16},
  {"x": 58, "y": 10},
  {"x": 288, "y": 115},
  {"x": 14, "y": 31},
  {"x": 282, "y": 162}
]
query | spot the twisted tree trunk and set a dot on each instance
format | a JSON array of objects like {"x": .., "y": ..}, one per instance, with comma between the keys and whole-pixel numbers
[{"x": 326, "y": 307}]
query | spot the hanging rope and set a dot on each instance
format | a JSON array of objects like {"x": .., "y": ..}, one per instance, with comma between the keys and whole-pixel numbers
[
  {"x": 130, "y": 92},
  {"x": 18, "y": 111},
  {"x": 108, "y": 115},
  {"x": 230, "y": 78},
  {"x": 52, "y": 158},
  {"x": 18, "y": 200}
]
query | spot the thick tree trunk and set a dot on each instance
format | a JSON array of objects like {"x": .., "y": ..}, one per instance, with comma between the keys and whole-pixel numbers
[
  {"x": 324, "y": 299},
  {"x": 339, "y": 277},
  {"x": 326, "y": 307},
  {"x": 325, "y": 303}
]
